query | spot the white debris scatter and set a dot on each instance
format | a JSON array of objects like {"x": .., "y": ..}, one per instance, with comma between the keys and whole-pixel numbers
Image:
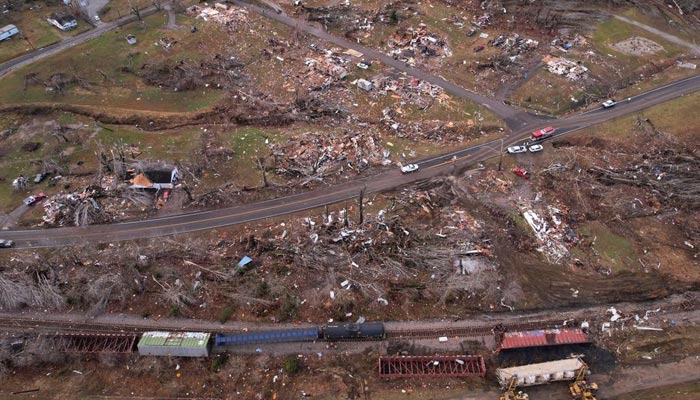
[{"x": 565, "y": 67}]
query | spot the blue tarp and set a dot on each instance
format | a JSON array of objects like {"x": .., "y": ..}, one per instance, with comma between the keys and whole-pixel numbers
[
  {"x": 245, "y": 260},
  {"x": 288, "y": 335}
]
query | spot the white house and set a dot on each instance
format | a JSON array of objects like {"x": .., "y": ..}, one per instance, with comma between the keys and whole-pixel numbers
[
  {"x": 64, "y": 22},
  {"x": 8, "y": 31}
]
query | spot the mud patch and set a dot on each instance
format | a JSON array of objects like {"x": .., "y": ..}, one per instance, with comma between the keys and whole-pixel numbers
[{"x": 637, "y": 46}]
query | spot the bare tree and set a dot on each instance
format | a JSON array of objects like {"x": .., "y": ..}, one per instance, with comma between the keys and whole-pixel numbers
[
  {"x": 157, "y": 4},
  {"x": 135, "y": 9}
]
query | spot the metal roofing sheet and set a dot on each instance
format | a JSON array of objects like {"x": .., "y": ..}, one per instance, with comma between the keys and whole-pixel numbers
[{"x": 545, "y": 337}]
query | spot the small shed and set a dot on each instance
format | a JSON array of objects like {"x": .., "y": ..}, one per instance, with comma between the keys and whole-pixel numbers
[{"x": 175, "y": 344}]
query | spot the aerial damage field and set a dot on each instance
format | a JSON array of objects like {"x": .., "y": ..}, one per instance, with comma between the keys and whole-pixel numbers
[{"x": 605, "y": 229}]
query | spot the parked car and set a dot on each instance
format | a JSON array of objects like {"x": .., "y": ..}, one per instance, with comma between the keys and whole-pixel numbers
[
  {"x": 408, "y": 168},
  {"x": 535, "y": 148},
  {"x": 521, "y": 172},
  {"x": 478, "y": 48},
  {"x": 609, "y": 103},
  {"x": 516, "y": 149},
  {"x": 6, "y": 244},
  {"x": 31, "y": 200},
  {"x": 362, "y": 65},
  {"x": 472, "y": 32},
  {"x": 39, "y": 177}
]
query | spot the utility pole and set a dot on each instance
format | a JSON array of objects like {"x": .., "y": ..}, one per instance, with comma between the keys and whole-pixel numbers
[
  {"x": 362, "y": 208},
  {"x": 500, "y": 159}
]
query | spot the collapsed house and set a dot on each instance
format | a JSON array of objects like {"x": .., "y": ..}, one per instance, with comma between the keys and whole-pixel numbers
[
  {"x": 155, "y": 179},
  {"x": 408, "y": 44},
  {"x": 567, "y": 68}
]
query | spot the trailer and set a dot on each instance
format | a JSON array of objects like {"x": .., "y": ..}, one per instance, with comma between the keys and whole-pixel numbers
[
  {"x": 8, "y": 31},
  {"x": 542, "y": 373}
]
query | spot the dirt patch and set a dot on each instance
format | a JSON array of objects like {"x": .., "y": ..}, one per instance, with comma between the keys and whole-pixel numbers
[{"x": 637, "y": 46}]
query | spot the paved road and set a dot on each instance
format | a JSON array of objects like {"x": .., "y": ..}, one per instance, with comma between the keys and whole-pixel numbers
[
  {"x": 514, "y": 118},
  {"x": 671, "y": 38},
  {"x": 69, "y": 42},
  {"x": 387, "y": 180}
]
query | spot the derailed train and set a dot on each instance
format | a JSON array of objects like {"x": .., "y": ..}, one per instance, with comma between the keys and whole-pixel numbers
[
  {"x": 365, "y": 331},
  {"x": 199, "y": 344}
]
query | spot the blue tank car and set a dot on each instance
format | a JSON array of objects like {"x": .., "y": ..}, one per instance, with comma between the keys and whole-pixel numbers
[{"x": 287, "y": 335}]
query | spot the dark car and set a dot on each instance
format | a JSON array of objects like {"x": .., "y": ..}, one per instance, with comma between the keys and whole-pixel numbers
[
  {"x": 6, "y": 244},
  {"x": 472, "y": 32},
  {"x": 478, "y": 49}
]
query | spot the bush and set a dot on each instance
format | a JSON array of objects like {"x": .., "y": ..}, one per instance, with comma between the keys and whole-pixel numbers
[
  {"x": 292, "y": 365},
  {"x": 218, "y": 362},
  {"x": 226, "y": 313}
]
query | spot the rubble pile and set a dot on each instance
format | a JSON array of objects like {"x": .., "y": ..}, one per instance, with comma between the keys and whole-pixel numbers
[
  {"x": 421, "y": 94},
  {"x": 432, "y": 130},
  {"x": 513, "y": 44},
  {"x": 417, "y": 44},
  {"x": 316, "y": 153},
  {"x": 565, "y": 67},
  {"x": 550, "y": 231},
  {"x": 223, "y": 14},
  {"x": 324, "y": 70},
  {"x": 77, "y": 209},
  {"x": 565, "y": 43}
]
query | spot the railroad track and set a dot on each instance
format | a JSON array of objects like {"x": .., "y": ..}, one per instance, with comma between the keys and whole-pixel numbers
[
  {"x": 29, "y": 325},
  {"x": 54, "y": 325},
  {"x": 470, "y": 331}
]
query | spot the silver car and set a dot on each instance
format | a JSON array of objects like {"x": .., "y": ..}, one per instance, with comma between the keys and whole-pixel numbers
[
  {"x": 409, "y": 168},
  {"x": 516, "y": 149}
]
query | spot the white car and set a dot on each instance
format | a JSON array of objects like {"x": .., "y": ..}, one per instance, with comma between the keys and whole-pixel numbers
[
  {"x": 408, "y": 168},
  {"x": 516, "y": 149},
  {"x": 362, "y": 66},
  {"x": 609, "y": 103},
  {"x": 535, "y": 148}
]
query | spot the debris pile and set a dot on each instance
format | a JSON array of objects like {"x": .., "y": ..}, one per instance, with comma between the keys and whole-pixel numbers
[
  {"x": 550, "y": 231},
  {"x": 421, "y": 94},
  {"x": 565, "y": 43},
  {"x": 564, "y": 67},
  {"x": 223, "y": 14},
  {"x": 513, "y": 44},
  {"x": 411, "y": 44},
  {"x": 77, "y": 209},
  {"x": 319, "y": 154},
  {"x": 324, "y": 70}
]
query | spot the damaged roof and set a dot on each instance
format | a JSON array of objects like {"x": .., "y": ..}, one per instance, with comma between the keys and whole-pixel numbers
[{"x": 545, "y": 337}]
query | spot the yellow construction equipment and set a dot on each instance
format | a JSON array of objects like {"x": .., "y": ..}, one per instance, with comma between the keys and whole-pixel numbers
[
  {"x": 510, "y": 393},
  {"x": 580, "y": 389}
]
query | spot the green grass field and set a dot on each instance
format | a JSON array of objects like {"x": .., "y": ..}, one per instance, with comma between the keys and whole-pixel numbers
[
  {"x": 35, "y": 32},
  {"x": 106, "y": 55}
]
